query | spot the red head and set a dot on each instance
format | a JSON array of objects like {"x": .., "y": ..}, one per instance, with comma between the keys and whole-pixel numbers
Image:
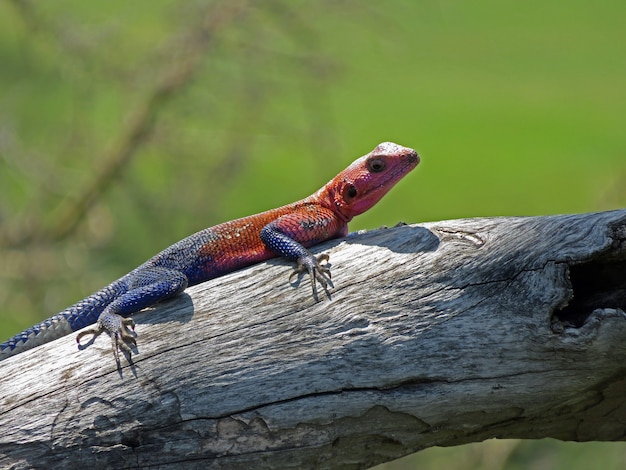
[{"x": 368, "y": 179}]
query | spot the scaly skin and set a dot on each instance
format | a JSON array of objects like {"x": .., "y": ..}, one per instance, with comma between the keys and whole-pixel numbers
[{"x": 286, "y": 231}]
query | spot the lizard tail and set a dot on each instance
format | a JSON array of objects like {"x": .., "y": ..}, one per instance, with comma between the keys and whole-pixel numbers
[{"x": 71, "y": 319}]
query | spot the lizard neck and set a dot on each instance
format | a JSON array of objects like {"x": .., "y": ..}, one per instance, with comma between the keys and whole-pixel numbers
[{"x": 327, "y": 197}]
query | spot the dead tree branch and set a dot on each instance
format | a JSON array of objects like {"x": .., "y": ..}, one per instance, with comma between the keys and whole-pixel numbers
[{"x": 437, "y": 334}]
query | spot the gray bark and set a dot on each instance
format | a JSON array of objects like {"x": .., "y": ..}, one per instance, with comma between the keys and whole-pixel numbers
[{"x": 436, "y": 334}]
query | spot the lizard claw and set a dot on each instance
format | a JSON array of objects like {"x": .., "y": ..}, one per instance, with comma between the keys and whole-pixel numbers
[
  {"x": 116, "y": 327},
  {"x": 317, "y": 272}
]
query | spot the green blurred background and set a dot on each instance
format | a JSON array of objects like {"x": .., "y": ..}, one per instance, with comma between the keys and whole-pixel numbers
[{"x": 125, "y": 126}]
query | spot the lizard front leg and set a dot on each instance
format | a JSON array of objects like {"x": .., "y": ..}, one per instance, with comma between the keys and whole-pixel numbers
[
  {"x": 290, "y": 234},
  {"x": 317, "y": 271}
]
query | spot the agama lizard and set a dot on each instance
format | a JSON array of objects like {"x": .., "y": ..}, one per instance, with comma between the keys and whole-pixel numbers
[{"x": 286, "y": 231}]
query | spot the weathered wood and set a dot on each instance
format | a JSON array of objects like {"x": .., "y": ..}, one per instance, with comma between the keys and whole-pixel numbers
[{"x": 436, "y": 334}]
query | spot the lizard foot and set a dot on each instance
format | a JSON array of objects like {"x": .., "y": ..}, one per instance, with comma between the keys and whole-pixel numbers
[
  {"x": 317, "y": 272},
  {"x": 116, "y": 327}
]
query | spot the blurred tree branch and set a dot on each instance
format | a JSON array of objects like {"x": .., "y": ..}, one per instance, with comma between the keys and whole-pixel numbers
[
  {"x": 139, "y": 125},
  {"x": 167, "y": 122}
]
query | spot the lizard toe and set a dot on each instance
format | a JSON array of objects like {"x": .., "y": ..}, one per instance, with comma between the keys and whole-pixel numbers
[
  {"x": 117, "y": 327},
  {"x": 318, "y": 272}
]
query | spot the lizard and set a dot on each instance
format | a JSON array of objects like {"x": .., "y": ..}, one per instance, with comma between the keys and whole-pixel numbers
[{"x": 286, "y": 231}]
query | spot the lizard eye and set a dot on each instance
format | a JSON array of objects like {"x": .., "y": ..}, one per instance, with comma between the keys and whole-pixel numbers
[
  {"x": 376, "y": 165},
  {"x": 349, "y": 193}
]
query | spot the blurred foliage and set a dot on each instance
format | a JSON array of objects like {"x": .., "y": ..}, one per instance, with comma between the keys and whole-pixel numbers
[
  {"x": 509, "y": 454},
  {"x": 125, "y": 126}
]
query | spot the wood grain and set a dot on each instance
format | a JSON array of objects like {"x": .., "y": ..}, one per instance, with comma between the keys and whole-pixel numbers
[{"x": 436, "y": 334}]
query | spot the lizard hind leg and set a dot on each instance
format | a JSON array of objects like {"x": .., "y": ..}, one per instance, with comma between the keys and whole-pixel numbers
[
  {"x": 116, "y": 326},
  {"x": 147, "y": 286}
]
